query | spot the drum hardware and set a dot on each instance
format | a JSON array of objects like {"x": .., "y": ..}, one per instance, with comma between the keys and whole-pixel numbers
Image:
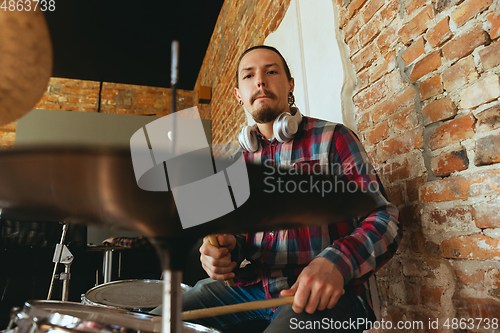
[
  {"x": 62, "y": 255},
  {"x": 107, "y": 261}
]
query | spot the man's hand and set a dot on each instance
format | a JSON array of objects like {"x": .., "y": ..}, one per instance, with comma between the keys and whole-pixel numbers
[
  {"x": 318, "y": 286},
  {"x": 109, "y": 241},
  {"x": 217, "y": 261}
]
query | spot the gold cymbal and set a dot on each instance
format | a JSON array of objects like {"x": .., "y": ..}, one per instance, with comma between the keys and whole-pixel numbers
[{"x": 25, "y": 62}]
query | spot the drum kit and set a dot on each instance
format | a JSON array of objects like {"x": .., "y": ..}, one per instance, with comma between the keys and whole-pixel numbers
[{"x": 98, "y": 187}]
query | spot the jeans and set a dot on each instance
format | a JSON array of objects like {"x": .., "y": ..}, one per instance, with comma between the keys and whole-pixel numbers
[{"x": 209, "y": 293}]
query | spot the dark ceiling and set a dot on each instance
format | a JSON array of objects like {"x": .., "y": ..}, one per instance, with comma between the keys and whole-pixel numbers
[{"x": 125, "y": 41}]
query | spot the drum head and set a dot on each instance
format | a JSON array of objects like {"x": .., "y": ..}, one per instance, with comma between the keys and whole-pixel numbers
[{"x": 128, "y": 294}]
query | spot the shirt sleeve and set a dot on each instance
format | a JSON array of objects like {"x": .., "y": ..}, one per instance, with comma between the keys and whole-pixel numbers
[{"x": 378, "y": 233}]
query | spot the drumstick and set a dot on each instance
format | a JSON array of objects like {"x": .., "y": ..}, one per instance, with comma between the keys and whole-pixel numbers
[
  {"x": 213, "y": 240},
  {"x": 227, "y": 309}
]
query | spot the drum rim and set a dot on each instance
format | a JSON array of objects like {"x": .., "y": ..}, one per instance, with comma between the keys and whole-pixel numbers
[{"x": 47, "y": 310}]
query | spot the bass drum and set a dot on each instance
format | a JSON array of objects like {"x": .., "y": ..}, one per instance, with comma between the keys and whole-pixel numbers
[
  {"x": 131, "y": 295},
  {"x": 57, "y": 317}
]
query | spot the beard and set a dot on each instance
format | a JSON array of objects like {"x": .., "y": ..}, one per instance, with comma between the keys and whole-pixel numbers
[{"x": 266, "y": 113}]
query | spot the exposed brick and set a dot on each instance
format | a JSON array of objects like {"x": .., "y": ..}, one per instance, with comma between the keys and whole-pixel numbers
[
  {"x": 413, "y": 185},
  {"x": 369, "y": 31},
  {"x": 488, "y": 150},
  {"x": 397, "y": 171},
  {"x": 460, "y": 74},
  {"x": 431, "y": 296},
  {"x": 468, "y": 307},
  {"x": 363, "y": 121},
  {"x": 417, "y": 25},
  {"x": 490, "y": 56},
  {"x": 468, "y": 10},
  {"x": 342, "y": 16},
  {"x": 382, "y": 67},
  {"x": 461, "y": 187},
  {"x": 400, "y": 145},
  {"x": 354, "y": 7},
  {"x": 440, "y": 109},
  {"x": 402, "y": 121},
  {"x": 364, "y": 80},
  {"x": 446, "y": 163},
  {"x": 387, "y": 37},
  {"x": 455, "y": 218},
  {"x": 480, "y": 92},
  {"x": 414, "y": 51},
  {"x": 475, "y": 280},
  {"x": 413, "y": 5},
  {"x": 378, "y": 134},
  {"x": 370, "y": 96},
  {"x": 477, "y": 247},
  {"x": 395, "y": 81},
  {"x": 426, "y": 65},
  {"x": 455, "y": 130},
  {"x": 395, "y": 103},
  {"x": 488, "y": 119},
  {"x": 389, "y": 12},
  {"x": 364, "y": 57},
  {"x": 494, "y": 20},
  {"x": 353, "y": 27},
  {"x": 430, "y": 87},
  {"x": 371, "y": 8},
  {"x": 463, "y": 45},
  {"x": 440, "y": 33},
  {"x": 354, "y": 45},
  {"x": 395, "y": 194},
  {"x": 487, "y": 214}
]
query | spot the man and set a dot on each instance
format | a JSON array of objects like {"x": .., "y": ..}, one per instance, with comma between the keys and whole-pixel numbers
[{"x": 325, "y": 267}]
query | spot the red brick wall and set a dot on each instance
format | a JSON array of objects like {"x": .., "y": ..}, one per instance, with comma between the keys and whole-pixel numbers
[
  {"x": 83, "y": 96},
  {"x": 428, "y": 111}
]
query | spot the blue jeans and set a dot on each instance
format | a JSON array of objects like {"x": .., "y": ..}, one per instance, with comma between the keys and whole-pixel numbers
[{"x": 209, "y": 293}]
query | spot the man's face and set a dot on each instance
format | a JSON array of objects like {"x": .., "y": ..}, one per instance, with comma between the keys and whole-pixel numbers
[{"x": 263, "y": 85}]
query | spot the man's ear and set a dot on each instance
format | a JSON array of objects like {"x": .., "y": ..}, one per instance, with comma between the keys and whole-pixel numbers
[
  {"x": 237, "y": 95},
  {"x": 292, "y": 85}
]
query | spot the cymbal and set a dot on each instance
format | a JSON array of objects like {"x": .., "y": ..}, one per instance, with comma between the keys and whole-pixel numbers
[
  {"x": 25, "y": 62},
  {"x": 98, "y": 187}
]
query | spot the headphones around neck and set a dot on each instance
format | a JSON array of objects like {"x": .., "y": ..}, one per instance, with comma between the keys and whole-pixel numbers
[{"x": 284, "y": 128}]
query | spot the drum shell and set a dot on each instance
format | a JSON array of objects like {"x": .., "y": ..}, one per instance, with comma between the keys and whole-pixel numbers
[{"x": 52, "y": 316}]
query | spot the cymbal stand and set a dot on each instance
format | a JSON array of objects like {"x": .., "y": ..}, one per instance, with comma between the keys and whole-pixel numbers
[{"x": 62, "y": 255}]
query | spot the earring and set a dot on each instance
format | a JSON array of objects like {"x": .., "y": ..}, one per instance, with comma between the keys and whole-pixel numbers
[
  {"x": 291, "y": 99},
  {"x": 241, "y": 102}
]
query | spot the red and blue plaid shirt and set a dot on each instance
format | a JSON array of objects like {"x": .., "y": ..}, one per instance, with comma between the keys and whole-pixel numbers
[{"x": 357, "y": 248}]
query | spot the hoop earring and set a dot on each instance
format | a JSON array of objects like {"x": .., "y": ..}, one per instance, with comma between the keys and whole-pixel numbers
[{"x": 291, "y": 99}]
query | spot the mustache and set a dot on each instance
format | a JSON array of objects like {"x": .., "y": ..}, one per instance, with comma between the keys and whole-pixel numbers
[{"x": 261, "y": 92}]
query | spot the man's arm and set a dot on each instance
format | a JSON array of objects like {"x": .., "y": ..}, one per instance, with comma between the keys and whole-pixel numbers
[{"x": 353, "y": 259}]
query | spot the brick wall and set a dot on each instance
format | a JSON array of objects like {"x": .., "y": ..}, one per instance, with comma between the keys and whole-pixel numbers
[
  {"x": 90, "y": 96},
  {"x": 428, "y": 112}
]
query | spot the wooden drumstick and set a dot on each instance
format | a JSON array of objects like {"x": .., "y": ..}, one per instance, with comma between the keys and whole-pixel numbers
[
  {"x": 227, "y": 309},
  {"x": 213, "y": 240}
]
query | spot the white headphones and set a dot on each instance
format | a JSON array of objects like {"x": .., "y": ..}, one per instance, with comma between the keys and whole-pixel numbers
[{"x": 284, "y": 128}]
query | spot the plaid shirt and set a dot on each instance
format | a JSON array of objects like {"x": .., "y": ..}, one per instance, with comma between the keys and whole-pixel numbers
[{"x": 357, "y": 247}]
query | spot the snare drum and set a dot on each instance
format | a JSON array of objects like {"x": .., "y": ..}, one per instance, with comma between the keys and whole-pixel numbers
[
  {"x": 132, "y": 295},
  {"x": 57, "y": 317}
]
